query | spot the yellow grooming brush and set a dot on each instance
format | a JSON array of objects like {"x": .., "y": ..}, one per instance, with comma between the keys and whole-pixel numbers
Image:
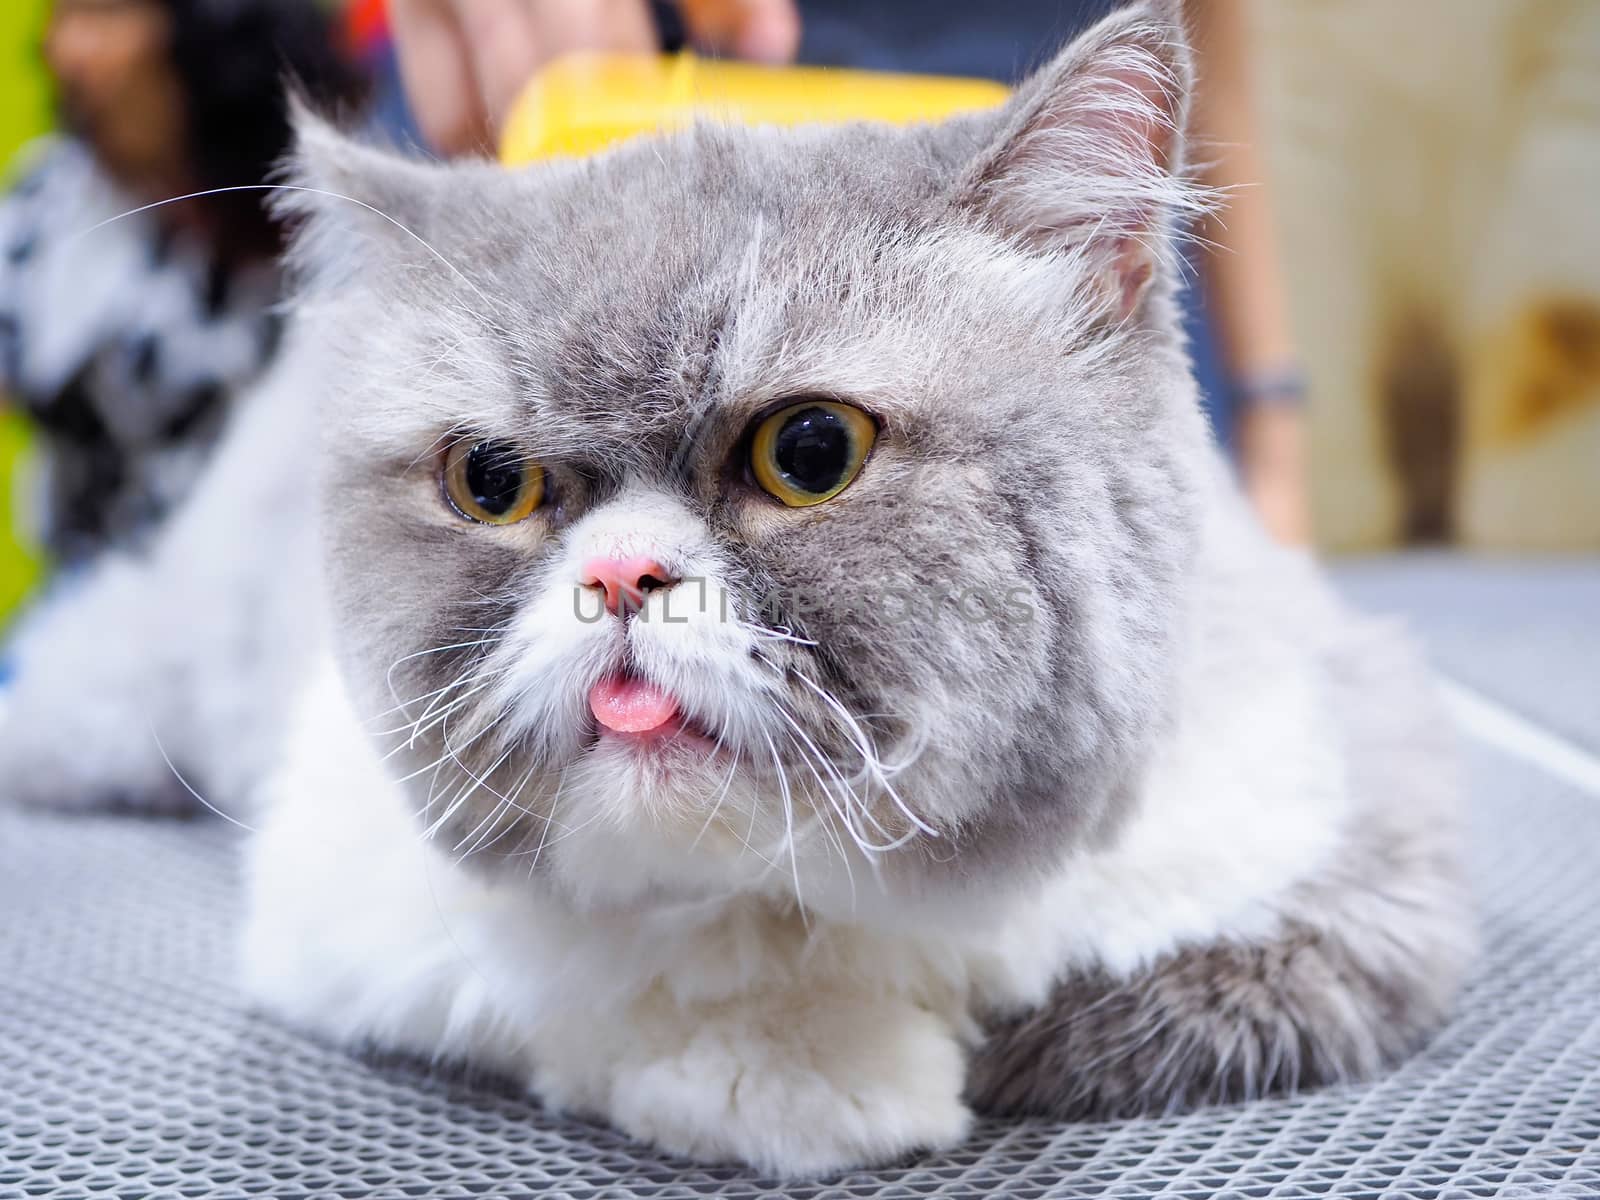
[{"x": 584, "y": 102}]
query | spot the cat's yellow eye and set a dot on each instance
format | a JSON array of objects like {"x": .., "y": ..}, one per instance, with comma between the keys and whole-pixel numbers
[
  {"x": 492, "y": 482},
  {"x": 810, "y": 451}
]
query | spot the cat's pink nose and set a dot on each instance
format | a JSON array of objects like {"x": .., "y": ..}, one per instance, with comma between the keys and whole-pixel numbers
[{"x": 626, "y": 580}]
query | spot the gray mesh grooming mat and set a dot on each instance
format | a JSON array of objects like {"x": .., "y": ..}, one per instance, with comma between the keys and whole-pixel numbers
[
  {"x": 130, "y": 1066},
  {"x": 1525, "y": 632}
]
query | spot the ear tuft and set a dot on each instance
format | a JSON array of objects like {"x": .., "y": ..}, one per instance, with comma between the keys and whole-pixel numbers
[{"x": 1089, "y": 160}]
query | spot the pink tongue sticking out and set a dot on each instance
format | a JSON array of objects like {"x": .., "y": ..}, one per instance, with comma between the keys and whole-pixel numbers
[{"x": 628, "y": 704}]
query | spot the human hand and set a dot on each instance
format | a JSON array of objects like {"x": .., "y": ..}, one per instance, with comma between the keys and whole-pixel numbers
[{"x": 463, "y": 62}]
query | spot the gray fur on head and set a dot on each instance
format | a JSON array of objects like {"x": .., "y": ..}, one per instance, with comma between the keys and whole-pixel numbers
[{"x": 982, "y": 287}]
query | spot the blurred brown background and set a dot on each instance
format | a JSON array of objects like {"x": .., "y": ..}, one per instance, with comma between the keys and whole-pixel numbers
[{"x": 1437, "y": 164}]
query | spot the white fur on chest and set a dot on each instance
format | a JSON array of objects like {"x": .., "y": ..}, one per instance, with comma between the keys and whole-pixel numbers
[{"x": 360, "y": 929}]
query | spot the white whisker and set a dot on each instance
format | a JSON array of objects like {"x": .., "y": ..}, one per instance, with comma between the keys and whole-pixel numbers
[{"x": 788, "y": 826}]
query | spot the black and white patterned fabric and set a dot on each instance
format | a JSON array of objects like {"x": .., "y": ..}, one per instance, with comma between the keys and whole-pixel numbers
[{"x": 126, "y": 340}]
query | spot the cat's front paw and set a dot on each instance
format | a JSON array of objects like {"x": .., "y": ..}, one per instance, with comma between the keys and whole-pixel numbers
[{"x": 796, "y": 1090}]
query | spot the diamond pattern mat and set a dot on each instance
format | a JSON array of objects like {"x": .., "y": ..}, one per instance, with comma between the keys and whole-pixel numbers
[{"x": 130, "y": 1065}]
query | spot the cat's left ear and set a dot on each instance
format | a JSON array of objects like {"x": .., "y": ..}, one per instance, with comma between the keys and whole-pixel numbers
[
  {"x": 349, "y": 202},
  {"x": 1088, "y": 160}
]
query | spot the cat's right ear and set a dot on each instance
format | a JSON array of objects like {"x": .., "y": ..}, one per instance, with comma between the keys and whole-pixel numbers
[
  {"x": 1087, "y": 161},
  {"x": 346, "y": 201}
]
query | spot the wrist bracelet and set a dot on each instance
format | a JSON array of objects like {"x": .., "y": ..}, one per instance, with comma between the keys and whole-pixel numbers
[{"x": 1283, "y": 388}]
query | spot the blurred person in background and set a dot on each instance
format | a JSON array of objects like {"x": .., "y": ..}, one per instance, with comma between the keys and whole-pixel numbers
[
  {"x": 126, "y": 335},
  {"x": 463, "y": 63}
]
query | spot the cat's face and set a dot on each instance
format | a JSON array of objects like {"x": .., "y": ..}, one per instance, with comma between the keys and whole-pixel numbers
[{"x": 799, "y": 511}]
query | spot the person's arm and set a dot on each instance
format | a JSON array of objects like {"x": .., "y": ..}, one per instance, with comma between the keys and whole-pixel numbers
[
  {"x": 463, "y": 62},
  {"x": 1244, "y": 279}
]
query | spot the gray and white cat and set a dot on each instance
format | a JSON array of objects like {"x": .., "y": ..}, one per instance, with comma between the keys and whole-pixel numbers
[{"x": 799, "y": 672}]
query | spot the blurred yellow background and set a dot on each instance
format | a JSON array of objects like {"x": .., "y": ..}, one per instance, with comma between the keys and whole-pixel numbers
[{"x": 24, "y": 113}]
